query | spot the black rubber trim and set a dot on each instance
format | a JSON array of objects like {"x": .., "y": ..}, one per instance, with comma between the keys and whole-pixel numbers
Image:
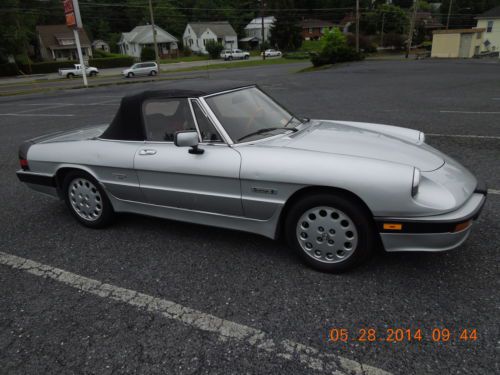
[
  {"x": 428, "y": 226},
  {"x": 481, "y": 187},
  {"x": 36, "y": 179}
]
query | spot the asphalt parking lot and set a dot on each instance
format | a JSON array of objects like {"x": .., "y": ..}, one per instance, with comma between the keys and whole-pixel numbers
[{"x": 188, "y": 299}]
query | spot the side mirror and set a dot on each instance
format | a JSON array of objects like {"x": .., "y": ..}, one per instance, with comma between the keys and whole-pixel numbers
[{"x": 188, "y": 138}]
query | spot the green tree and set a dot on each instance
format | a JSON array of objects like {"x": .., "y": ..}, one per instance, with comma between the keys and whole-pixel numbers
[
  {"x": 334, "y": 49},
  {"x": 393, "y": 18},
  {"x": 285, "y": 32}
]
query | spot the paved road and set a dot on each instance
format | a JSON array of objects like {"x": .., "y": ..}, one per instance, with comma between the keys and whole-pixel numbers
[
  {"x": 206, "y": 300},
  {"x": 110, "y": 75}
]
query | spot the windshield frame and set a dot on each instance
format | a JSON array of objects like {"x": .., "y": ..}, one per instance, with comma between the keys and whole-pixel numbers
[{"x": 223, "y": 131}]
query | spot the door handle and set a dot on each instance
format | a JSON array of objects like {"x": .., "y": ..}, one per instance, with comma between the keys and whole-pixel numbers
[{"x": 147, "y": 152}]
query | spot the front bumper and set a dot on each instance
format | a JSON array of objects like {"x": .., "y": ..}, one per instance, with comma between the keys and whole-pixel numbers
[{"x": 432, "y": 233}]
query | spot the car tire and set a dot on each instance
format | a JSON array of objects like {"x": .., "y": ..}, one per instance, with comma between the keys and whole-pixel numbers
[
  {"x": 152, "y": 73},
  {"x": 330, "y": 233},
  {"x": 230, "y": 58},
  {"x": 87, "y": 200},
  {"x": 130, "y": 75},
  {"x": 246, "y": 57},
  {"x": 93, "y": 74},
  {"x": 70, "y": 75}
]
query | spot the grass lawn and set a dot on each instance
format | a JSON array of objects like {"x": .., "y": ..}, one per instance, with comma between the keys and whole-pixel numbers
[
  {"x": 234, "y": 64},
  {"x": 185, "y": 59}
]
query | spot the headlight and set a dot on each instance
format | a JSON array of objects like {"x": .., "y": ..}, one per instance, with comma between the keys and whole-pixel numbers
[{"x": 416, "y": 182}]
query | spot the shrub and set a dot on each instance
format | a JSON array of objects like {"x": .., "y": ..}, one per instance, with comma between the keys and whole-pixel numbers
[
  {"x": 214, "y": 48},
  {"x": 394, "y": 40},
  {"x": 334, "y": 49},
  {"x": 186, "y": 52},
  {"x": 112, "y": 62},
  {"x": 148, "y": 54},
  {"x": 8, "y": 69}
]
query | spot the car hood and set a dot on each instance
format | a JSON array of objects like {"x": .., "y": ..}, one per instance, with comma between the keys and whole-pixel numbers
[{"x": 374, "y": 141}]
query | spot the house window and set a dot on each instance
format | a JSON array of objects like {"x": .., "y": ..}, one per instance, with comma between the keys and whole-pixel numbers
[{"x": 489, "y": 28}]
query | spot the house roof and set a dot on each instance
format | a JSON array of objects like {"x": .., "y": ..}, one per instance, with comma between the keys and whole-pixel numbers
[
  {"x": 256, "y": 23},
  {"x": 144, "y": 35},
  {"x": 315, "y": 23},
  {"x": 50, "y": 33},
  {"x": 459, "y": 31},
  {"x": 492, "y": 13},
  {"x": 219, "y": 28},
  {"x": 128, "y": 122}
]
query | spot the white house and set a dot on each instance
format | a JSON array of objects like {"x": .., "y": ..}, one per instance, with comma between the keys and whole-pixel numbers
[
  {"x": 197, "y": 34},
  {"x": 133, "y": 42},
  {"x": 490, "y": 21},
  {"x": 253, "y": 31}
]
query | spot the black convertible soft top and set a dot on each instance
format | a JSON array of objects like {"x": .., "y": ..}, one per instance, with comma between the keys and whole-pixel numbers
[{"x": 128, "y": 122}]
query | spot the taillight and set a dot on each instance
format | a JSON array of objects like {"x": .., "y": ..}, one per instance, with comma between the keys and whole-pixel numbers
[{"x": 24, "y": 164}]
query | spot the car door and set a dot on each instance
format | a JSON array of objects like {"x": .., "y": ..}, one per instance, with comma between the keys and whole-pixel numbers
[{"x": 171, "y": 176}]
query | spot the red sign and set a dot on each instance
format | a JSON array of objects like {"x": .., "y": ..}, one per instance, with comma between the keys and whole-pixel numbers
[{"x": 68, "y": 6}]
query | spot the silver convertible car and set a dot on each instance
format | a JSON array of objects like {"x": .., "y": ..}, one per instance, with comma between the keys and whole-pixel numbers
[{"x": 228, "y": 155}]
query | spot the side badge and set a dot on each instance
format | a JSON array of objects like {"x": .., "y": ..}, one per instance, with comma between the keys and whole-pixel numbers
[{"x": 264, "y": 190}]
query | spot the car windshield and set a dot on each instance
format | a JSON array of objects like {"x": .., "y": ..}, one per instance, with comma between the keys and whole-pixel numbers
[{"x": 249, "y": 114}]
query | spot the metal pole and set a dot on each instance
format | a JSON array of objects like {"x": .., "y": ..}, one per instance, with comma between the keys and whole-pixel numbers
[
  {"x": 357, "y": 25},
  {"x": 157, "y": 57},
  {"x": 382, "y": 31},
  {"x": 449, "y": 13},
  {"x": 412, "y": 26},
  {"x": 80, "y": 57},
  {"x": 262, "y": 29}
]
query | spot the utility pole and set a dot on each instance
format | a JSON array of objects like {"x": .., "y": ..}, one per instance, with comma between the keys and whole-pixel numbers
[
  {"x": 449, "y": 14},
  {"x": 74, "y": 21},
  {"x": 262, "y": 29},
  {"x": 157, "y": 57},
  {"x": 382, "y": 31},
  {"x": 357, "y": 25},
  {"x": 412, "y": 27}
]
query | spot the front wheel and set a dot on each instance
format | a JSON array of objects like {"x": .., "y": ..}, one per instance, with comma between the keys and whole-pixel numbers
[
  {"x": 87, "y": 200},
  {"x": 331, "y": 233},
  {"x": 246, "y": 57},
  {"x": 130, "y": 75},
  {"x": 70, "y": 75},
  {"x": 230, "y": 58},
  {"x": 153, "y": 73},
  {"x": 93, "y": 74}
]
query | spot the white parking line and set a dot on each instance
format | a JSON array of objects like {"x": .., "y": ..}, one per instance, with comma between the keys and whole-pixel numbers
[
  {"x": 35, "y": 114},
  {"x": 493, "y": 191},
  {"x": 463, "y": 136},
  {"x": 309, "y": 357},
  {"x": 472, "y": 112}
]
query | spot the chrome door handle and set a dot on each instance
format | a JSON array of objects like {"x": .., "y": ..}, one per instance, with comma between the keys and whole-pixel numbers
[{"x": 147, "y": 152}]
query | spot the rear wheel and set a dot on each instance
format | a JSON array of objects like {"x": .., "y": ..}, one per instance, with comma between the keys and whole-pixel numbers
[
  {"x": 87, "y": 200},
  {"x": 230, "y": 58},
  {"x": 246, "y": 57},
  {"x": 331, "y": 233}
]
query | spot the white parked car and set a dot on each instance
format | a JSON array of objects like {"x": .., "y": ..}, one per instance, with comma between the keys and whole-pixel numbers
[
  {"x": 271, "y": 53},
  {"x": 141, "y": 69},
  {"x": 233, "y": 54},
  {"x": 77, "y": 71}
]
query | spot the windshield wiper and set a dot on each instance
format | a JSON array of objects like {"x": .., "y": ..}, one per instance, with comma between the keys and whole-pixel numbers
[{"x": 265, "y": 130}]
